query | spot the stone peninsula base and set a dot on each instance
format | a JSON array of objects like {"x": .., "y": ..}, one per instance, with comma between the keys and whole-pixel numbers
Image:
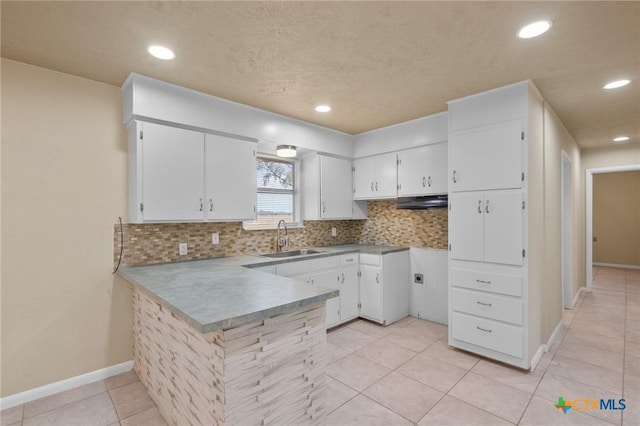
[{"x": 267, "y": 372}]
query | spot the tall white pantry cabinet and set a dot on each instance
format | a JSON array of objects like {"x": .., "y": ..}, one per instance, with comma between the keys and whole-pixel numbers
[{"x": 495, "y": 221}]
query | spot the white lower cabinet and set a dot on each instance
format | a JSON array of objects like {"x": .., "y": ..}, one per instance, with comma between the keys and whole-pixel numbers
[
  {"x": 384, "y": 286},
  {"x": 349, "y": 287},
  {"x": 330, "y": 279},
  {"x": 429, "y": 295}
]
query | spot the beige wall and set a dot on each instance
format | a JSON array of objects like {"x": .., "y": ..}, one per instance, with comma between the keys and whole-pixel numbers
[
  {"x": 618, "y": 155},
  {"x": 557, "y": 140},
  {"x": 63, "y": 187},
  {"x": 616, "y": 218}
]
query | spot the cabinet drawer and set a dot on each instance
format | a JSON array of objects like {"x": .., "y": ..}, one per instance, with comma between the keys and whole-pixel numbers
[
  {"x": 370, "y": 259},
  {"x": 293, "y": 268},
  {"x": 487, "y": 305},
  {"x": 330, "y": 262},
  {"x": 496, "y": 283},
  {"x": 489, "y": 334},
  {"x": 349, "y": 259}
]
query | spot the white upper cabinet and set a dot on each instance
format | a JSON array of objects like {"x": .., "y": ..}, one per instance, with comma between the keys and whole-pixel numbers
[
  {"x": 327, "y": 189},
  {"x": 422, "y": 171},
  {"x": 172, "y": 168},
  {"x": 179, "y": 175},
  {"x": 375, "y": 177},
  {"x": 335, "y": 188},
  {"x": 230, "y": 170},
  {"x": 487, "y": 158},
  {"x": 487, "y": 227}
]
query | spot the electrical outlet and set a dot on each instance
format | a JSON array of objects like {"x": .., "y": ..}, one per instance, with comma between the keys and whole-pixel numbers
[
  {"x": 183, "y": 248},
  {"x": 334, "y": 231},
  {"x": 215, "y": 238}
]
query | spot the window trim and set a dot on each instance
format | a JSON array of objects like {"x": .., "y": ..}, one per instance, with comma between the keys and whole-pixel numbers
[{"x": 297, "y": 216}]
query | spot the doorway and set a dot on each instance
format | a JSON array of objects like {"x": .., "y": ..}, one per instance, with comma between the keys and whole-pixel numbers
[
  {"x": 589, "y": 212},
  {"x": 566, "y": 213}
]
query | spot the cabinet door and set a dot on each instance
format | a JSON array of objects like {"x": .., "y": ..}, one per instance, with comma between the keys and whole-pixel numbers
[
  {"x": 336, "y": 197},
  {"x": 363, "y": 178},
  {"x": 436, "y": 169},
  {"x": 349, "y": 296},
  {"x": 329, "y": 279},
  {"x": 503, "y": 217},
  {"x": 385, "y": 184},
  {"x": 172, "y": 174},
  {"x": 466, "y": 226},
  {"x": 489, "y": 158},
  {"x": 230, "y": 169},
  {"x": 371, "y": 292},
  {"x": 412, "y": 172}
]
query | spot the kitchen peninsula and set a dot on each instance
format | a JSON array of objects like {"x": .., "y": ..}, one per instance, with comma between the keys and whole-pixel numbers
[{"x": 219, "y": 342}]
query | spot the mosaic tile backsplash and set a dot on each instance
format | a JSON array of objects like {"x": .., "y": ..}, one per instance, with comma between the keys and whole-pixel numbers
[{"x": 158, "y": 243}]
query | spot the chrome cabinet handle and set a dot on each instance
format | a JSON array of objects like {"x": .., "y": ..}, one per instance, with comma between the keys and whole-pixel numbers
[
  {"x": 343, "y": 278},
  {"x": 376, "y": 186},
  {"x": 483, "y": 282},
  {"x": 210, "y": 204},
  {"x": 480, "y": 206},
  {"x": 323, "y": 208},
  {"x": 371, "y": 186},
  {"x": 454, "y": 177},
  {"x": 201, "y": 204},
  {"x": 378, "y": 278},
  {"x": 483, "y": 304},
  {"x": 486, "y": 207},
  {"x": 429, "y": 181},
  {"x": 424, "y": 183},
  {"x": 483, "y": 329}
]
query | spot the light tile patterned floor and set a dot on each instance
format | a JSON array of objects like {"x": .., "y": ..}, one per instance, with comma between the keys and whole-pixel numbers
[{"x": 406, "y": 374}]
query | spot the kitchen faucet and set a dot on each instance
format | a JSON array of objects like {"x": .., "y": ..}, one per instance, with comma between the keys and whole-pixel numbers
[{"x": 282, "y": 242}]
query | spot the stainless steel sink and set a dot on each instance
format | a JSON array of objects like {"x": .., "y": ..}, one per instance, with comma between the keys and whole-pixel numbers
[{"x": 292, "y": 253}]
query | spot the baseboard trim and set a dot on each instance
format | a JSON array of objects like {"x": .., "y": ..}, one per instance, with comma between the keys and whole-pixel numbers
[
  {"x": 63, "y": 385},
  {"x": 575, "y": 298},
  {"x": 537, "y": 357},
  {"x": 616, "y": 265},
  {"x": 554, "y": 335}
]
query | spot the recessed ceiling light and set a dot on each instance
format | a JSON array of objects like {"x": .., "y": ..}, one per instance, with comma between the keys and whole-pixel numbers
[
  {"x": 161, "y": 52},
  {"x": 323, "y": 108},
  {"x": 621, "y": 139},
  {"x": 534, "y": 29},
  {"x": 616, "y": 84}
]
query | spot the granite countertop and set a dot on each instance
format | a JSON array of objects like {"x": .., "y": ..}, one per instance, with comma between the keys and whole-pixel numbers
[{"x": 225, "y": 292}]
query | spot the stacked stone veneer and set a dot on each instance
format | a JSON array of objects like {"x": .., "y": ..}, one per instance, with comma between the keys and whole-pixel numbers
[
  {"x": 267, "y": 372},
  {"x": 157, "y": 243}
]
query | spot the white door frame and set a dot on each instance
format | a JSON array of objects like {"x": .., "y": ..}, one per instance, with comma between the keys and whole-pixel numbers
[
  {"x": 589, "y": 211},
  {"x": 566, "y": 209}
]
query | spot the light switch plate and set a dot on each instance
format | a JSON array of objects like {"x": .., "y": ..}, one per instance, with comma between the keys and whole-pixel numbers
[
  {"x": 334, "y": 231},
  {"x": 215, "y": 238},
  {"x": 183, "y": 248}
]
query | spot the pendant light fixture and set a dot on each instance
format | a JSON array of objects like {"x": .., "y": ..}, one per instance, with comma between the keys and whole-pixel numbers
[{"x": 286, "y": 151}]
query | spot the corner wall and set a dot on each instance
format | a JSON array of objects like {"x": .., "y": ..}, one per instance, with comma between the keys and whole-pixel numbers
[{"x": 64, "y": 173}]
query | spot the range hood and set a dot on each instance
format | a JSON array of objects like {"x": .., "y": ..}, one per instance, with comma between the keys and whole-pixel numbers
[{"x": 421, "y": 203}]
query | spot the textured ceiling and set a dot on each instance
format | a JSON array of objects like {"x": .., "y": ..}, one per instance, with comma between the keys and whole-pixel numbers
[{"x": 375, "y": 63}]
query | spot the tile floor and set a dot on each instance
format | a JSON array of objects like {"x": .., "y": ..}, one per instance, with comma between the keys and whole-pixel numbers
[{"x": 406, "y": 374}]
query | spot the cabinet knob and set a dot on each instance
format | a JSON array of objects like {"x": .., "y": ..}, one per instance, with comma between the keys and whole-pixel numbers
[
  {"x": 486, "y": 207},
  {"x": 210, "y": 204},
  {"x": 378, "y": 278},
  {"x": 480, "y": 206},
  {"x": 455, "y": 180},
  {"x": 323, "y": 208},
  {"x": 371, "y": 186},
  {"x": 424, "y": 182},
  {"x": 201, "y": 204},
  {"x": 429, "y": 181},
  {"x": 343, "y": 278},
  {"x": 376, "y": 186}
]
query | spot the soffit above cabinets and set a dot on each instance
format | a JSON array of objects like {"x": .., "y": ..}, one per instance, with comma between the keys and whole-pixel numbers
[{"x": 375, "y": 63}]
